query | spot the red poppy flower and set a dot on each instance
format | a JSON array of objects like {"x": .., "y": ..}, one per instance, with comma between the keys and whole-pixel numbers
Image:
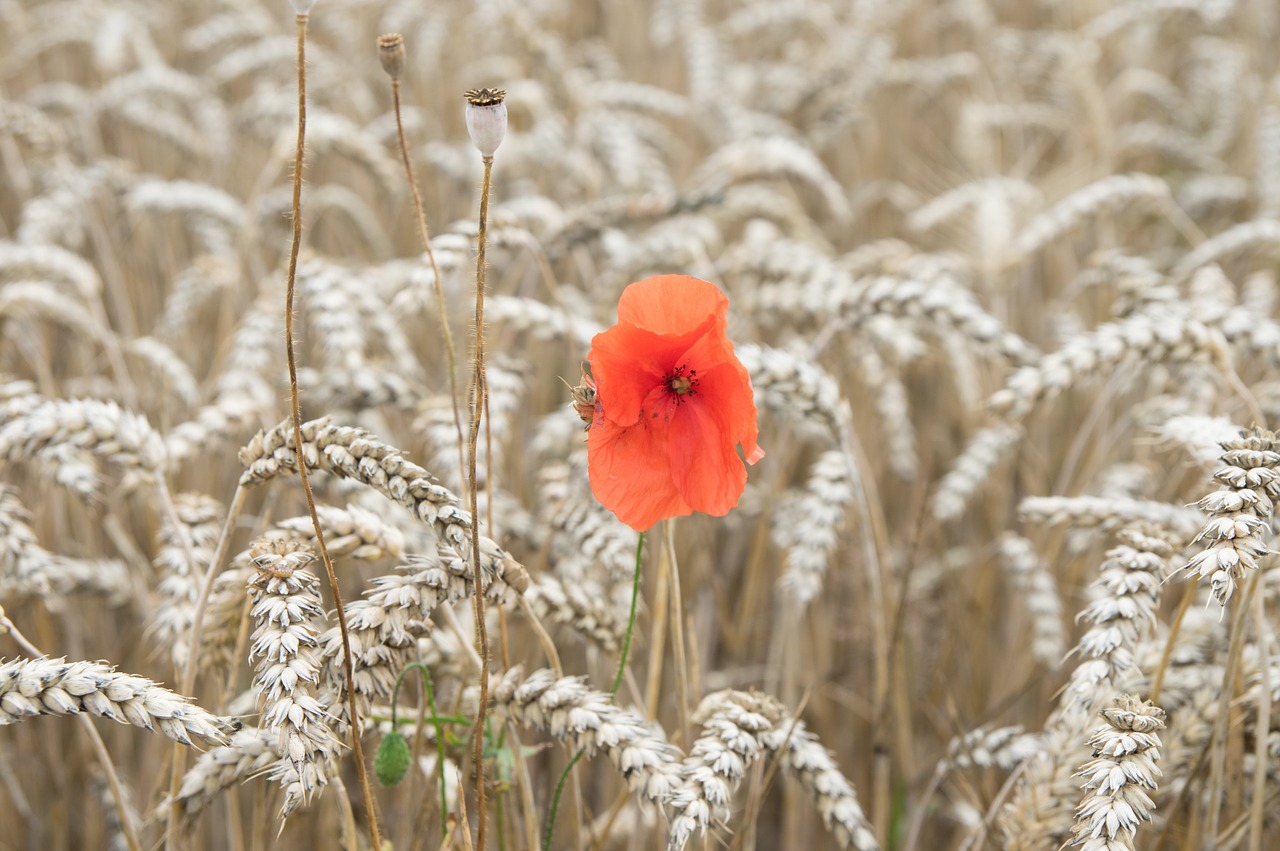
[{"x": 672, "y": 404}]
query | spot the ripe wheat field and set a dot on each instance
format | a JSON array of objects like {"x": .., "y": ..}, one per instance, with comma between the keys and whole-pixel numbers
[{"x": 1003, "y": 275}]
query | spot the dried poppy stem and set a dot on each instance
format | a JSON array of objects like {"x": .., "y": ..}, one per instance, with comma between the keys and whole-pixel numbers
[
  {"x": 479, "y": 393},
  {"x": 391, "y": 52},
  {"x": 294, "y": 246}
]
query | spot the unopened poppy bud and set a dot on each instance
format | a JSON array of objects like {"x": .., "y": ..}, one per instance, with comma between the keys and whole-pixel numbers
[
  {"x": 302, "y": 7},
  {"x": 486, "y": 119},
  {"x": 391, "y": 54}
]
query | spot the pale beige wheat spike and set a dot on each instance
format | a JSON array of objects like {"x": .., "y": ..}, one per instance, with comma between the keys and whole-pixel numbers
[
  {"x": 190, "y": 292},
  {"x": 286, "y": 656},
  {"x": 31, "y": 687},
  {"x": 49, "y": 262},
  {"x": 350, "y": 531},
  {"x": 29, "y": 570},
  {"x": 1171, "y": 146},
  {"x": 890, "y": 395},
  {"x": 60, "y": 215},
  {"x": 214, "y": 216},
  {"x": 569, "y": 710},
  {"x": 170, "y": 370},
  {"x": 223, "y": 616},
  {"x": 1031, "y": 578},
  {"x": 1121, "y": 777},
  {"x": 28, "y": 302},
  {"x": 958, "y": 201},
  {"x": 1200, "y": 437},
  {"x": 1111, "y": 193},
  {"x": 1156, "y": 335},
  {"x": 770, "y": 158},
  {"x": 796, "y": 388},
  {"x": 1107, "y": 512},
  {"x": 804, "y": 758},
  {"x": 808, "y": 527},
  {"x": 386, "y": 623},
  {"x": 1122, "y": 612},
  {"x": 180, "y": 562},
  {"x": 589, "y": 544},
  {"x": 927, "y": 291},
  {"x": 1256, "y": 235},
  {"x": 353, "y": 453},
  {"x": 973, "y": 468},
  {"x": 540, "y": 320},
  {"x": 987, "y": 747},
  {"x": 728, "y": 744},
  {"x": 1239, "y": 512},
  {"x": 61, "y": 431},
  {"x": 570, "y": 604},
  {"x": 250, "y": 752}
]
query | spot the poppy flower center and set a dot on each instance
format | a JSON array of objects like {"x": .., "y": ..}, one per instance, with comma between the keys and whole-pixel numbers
[{"x": 680, "y": 382}]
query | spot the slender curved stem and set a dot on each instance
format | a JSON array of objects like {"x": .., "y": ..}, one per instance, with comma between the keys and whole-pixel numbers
[
  {"x": 294, "y": 246},
  {"x": 436, "y": 722},
  {"x": 478, "y": 394}
]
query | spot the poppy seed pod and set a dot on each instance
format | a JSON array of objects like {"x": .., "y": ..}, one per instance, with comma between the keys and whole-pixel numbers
[
  {"x": 486, "y": 119},
  {"x": 302, "y": 7},
  {"x": 391, "y": 54}
]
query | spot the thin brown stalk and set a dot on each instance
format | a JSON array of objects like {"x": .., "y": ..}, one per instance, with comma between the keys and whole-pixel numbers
[
  {"x": 478, "y": 396},
  {"x": 424, "y": 234},
  {"x": 294, "y": 247}
]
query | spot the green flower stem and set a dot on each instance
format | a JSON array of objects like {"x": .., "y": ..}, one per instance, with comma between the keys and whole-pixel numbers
[
  {"x": 437, "y": 722},
  {"x": 613, "y": 692}
]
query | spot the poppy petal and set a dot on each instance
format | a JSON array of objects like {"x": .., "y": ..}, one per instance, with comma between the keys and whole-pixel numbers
[
  {"x": 628, "y": 362},
  {"x": 630, "y": 474},
  {"x": 672, "y": 304},
  {"x": 707, "y": 470},
  {"x": 727, "y": 390}
]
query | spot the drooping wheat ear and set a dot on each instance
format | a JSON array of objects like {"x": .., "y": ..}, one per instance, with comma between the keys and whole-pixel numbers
[
  {"x": 729, "y": 742},
  {"x": 808, "y": 526},
  {"x": 974, "y": 467},
  {"x": 180, "y": 569},
  {"x": 1030, "y": 577},
  {"x": 349, "y": 531},
  {"x": 1001, "y": 747},
  {"x": 588, "y": 720},
  {"x": 355, "y": 454},
  {"x": 287, "y": 610},
  {"x": 796, "y": 388},
  {"x": 1159, "y": 334},
  {"x": 249, "y": 753},
  {"x": 386, "y": 624},
  {"x": 929, "y": 293},
  {"x": 1121, "y": 777},
  {"x": 1106, "y": 513},
  {"x": 1109, "y": 194},
  {"x": 1260, "y": 234},
  {"x": 805, "y": 759},
  {"x": 1201, "y": 437},
  {"x": 30, "y": 687},
  {"x": 1239, "y": 512},
  {"x": 60, "y": 434},
  {"x": 570, "y": 604},
  {"x": 589, "y": 543},
  {"x": 29, "y": 570},
  {"x": 214, "y": 217},
  {"x": 541, "y": 320},
  {"x": 770, "y": 158}
]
